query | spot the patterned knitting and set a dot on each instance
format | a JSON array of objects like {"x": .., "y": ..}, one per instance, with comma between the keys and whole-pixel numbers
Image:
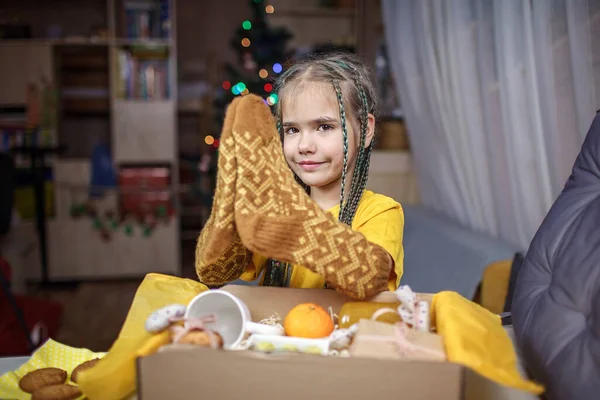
[
  {"x": 276, "y": 218},
  {"x": 220, "y": 254}
]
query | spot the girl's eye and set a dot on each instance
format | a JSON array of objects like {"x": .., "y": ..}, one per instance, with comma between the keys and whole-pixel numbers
[
  {"x": 290, "y": 131},
  {"x": 325, "y": 127}
]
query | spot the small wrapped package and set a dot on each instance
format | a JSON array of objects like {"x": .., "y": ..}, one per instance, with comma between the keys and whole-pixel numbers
[{"x": 396, "y": 341}]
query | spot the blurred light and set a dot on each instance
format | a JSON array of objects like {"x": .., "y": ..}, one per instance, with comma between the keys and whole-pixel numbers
[
  {"x": 216, "y": 143},
  {"x": 266, "y": 102},
  {"x": 268, "y": 87},
  {"x": 263, "y": 73},
  {"x": 270, "y": 9},
  {"x": 272, "y": 99},
  {"x": 209, "y": 140},
  {"x": 226, "y": 85},
  {"x": 241, "y": 86},
  {"x": 235, "y": 90},
  {"x": 245, "y": 92},
  {"x": 277, "y": 68},
  {"x": 246, "y": 42},
  {"x": 247, "y": 25}
]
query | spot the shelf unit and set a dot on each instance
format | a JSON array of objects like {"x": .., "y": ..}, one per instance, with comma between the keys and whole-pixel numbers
[{"x": 90, "y": 73}]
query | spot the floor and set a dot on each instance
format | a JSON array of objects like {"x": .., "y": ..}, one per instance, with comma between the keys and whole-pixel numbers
[{"x": 95, "y": 311}]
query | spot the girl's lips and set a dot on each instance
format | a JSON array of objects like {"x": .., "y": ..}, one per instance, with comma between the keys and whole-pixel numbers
[{"x": 309, "y": 165}]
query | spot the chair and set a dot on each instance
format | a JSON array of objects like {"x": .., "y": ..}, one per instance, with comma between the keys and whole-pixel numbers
[{"x": 497, "y": 284}]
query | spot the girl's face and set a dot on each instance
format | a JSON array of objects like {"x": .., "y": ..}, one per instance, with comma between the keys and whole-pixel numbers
[{"x": 313, "y": 138}]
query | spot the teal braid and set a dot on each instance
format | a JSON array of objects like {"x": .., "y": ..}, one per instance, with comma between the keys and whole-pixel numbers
[
  {"x": 279, "y": 125},
  {"x": 356, "y": 190},
  {"x": 338, "y": 92},
  {"x": 359, "y": 178}
]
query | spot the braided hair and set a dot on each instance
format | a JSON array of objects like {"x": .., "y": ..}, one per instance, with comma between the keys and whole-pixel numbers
[{"x": 356, "y": 97}]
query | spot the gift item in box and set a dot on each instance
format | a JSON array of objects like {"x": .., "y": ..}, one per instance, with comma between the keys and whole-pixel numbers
[
  {"x": 352, "y": 312},
  {"x": 145, "y": 189},
  {"x": 396, "y": 341}
]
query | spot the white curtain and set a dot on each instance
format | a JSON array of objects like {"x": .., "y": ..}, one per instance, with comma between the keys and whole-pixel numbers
[{"x": 498, "y": 96}]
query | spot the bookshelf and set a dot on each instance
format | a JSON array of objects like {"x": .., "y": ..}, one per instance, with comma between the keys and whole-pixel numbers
[{"x": 116, "y": 84}]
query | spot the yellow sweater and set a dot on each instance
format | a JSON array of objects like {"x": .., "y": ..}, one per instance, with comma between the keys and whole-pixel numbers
[{"x": 379, "y": 218}]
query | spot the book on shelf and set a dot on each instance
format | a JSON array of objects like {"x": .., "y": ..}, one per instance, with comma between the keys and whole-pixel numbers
[
  {"x": 143, "y": 74},
  {"x": 147, "y": 19}
]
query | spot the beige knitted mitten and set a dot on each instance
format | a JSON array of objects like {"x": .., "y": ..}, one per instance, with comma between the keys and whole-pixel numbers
[
  {"x": 220, "y": 254},
  {"x": 276, "y": 218}
]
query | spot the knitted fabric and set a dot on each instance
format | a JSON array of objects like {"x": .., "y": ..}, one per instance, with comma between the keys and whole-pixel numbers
[
  {"x": 220, "y": 254},
  {"x": 275, "y": 217}
]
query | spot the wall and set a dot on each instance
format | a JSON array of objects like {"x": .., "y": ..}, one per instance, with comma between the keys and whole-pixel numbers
[
  {"x": 76, "y": 17},
  {"x": 204, "y": 29}
]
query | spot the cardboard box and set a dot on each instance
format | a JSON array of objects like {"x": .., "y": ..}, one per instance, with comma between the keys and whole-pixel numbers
[{"x": 205, "y": 373}]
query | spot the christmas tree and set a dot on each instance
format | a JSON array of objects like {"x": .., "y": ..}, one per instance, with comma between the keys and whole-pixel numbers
[{"x": 261, "y": 53}]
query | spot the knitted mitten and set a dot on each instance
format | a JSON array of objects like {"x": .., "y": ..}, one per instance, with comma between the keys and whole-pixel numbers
[
  {"x": 220, "y": 254},
  {"x": 276, "y": 218}
]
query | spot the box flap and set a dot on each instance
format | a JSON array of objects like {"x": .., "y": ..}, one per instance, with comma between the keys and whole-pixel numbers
[{"x": 214, "y": 374}]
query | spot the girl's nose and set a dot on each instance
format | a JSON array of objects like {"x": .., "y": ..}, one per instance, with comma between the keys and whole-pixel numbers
[{"x": 306, "y": 144}]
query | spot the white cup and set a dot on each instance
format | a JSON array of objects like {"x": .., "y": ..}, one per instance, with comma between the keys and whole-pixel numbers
[{"x": 233, "y": 319}]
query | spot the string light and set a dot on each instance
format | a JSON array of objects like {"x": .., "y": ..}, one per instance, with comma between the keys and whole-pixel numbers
[
  {"x": 247, "y": 25},
  {"x": 235, "y": 90},
  {"x": 226, "y": 85},
  {"x": 208, "y": 139},
  {"x": 263, "y": 73},
  {"x": 268, "y": 87},
  {"x": 216, "y": 143},
  {"x": 241, "y": 86},
  {"x": 272, "y": 99},
  {"x": 246, "y": 42},
  {"x": 270, "y": 9},
  {"x": 277, "y": 68}
]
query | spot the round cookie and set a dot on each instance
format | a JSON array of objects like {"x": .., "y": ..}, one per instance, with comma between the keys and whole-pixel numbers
[
  {"x": 42, "y": 377},
  {"x": 159, "y": 320},
  {"x": 56, "y": 392},
  {"x": 82, "y": 367},
  {"x": 200, "y": 338}
]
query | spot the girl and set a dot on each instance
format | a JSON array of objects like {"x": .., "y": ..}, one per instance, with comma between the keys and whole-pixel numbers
[{"x": 326, "y": 232}]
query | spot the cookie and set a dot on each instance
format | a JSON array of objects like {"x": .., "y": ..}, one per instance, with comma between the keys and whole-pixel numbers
[
  {"x": 159, "y": 320},
  {"x": 200, "y": 338},
  {"x": 82, "y": 367},
  {"x": 42, "y": 377},
  {"x": 56, "y": 392}
]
